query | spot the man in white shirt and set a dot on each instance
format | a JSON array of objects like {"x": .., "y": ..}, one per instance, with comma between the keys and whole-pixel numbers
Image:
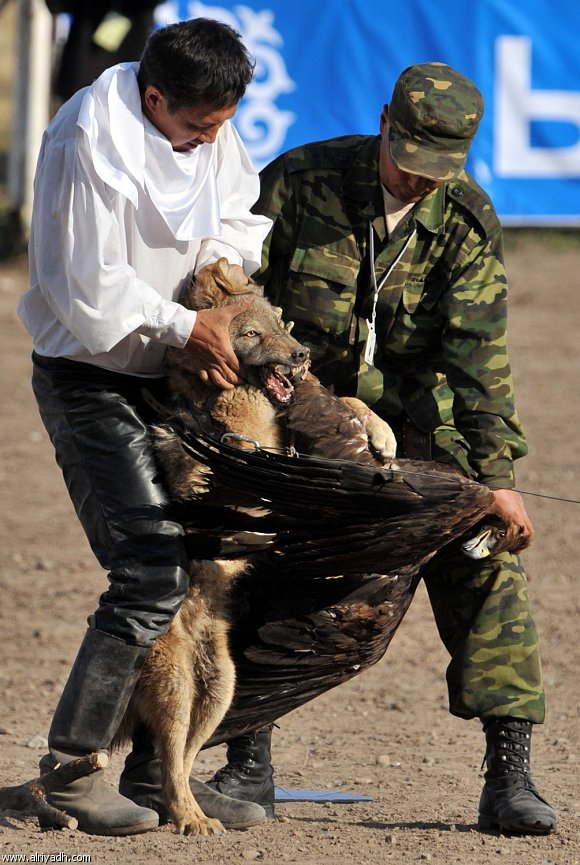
[{"x": 141, "y": 181}]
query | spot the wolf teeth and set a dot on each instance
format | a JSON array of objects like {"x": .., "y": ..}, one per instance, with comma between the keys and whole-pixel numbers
[{"x": 277, "y": 384}]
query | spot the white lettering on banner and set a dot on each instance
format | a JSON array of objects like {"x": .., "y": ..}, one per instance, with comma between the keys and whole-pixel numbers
[
  {"x": 261, "y": 124},
  {"x": 517, "y": 105}
]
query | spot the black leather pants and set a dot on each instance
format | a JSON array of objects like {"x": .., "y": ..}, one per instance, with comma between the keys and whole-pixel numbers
[{"x": 97, "y": 422}]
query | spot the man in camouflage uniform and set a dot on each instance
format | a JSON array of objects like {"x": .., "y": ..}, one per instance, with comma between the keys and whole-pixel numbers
[{"x": 388, "y": 257}]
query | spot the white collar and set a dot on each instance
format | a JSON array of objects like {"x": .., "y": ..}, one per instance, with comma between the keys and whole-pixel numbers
[{"x": 129, "y": 154}]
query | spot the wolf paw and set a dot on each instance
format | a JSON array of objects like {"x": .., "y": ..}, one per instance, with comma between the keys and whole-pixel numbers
[
  {"x": 200, "y": 826},
  {"x": 381, "y": 437}
]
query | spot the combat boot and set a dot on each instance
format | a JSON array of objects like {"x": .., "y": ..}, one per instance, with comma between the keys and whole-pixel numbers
[
  {"x": 86, "y": 719},
  {"x": 141, "y": 781},
  {"x": 248, "y": 774},
  {"x": 509, "y": 801}
]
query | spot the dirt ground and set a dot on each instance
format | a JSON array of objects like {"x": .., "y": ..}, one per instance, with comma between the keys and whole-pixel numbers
[{"x": 386, "y": 734}]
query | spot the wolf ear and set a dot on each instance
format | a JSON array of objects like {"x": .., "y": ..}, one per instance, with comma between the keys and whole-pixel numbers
[
  {"x": 201, "y": 291},
  {"x": 213, "y": 286},
  {"x": 228, "y": 280}
]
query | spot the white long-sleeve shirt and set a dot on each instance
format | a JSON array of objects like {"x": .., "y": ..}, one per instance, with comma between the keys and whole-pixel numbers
[{"x": 120, "y": 220}]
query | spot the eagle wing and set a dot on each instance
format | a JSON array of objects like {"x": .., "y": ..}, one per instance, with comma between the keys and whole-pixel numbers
[{"x": 336, "y": 548}]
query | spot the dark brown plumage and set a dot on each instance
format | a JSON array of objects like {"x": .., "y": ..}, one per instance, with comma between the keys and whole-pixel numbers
[
  {"x": 321, "y": 424},
  {"x": 335, "y": 563}
]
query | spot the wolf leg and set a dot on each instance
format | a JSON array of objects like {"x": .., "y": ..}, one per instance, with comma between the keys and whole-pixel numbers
[
  {"x": 381, "y": 437},
  {"x": 214, "y": 695}
]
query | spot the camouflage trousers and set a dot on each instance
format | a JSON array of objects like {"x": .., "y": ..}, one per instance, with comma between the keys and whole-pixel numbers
[{"x": 483, "y": 615}]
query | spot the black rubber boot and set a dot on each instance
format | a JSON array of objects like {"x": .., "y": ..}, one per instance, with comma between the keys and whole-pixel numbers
[
  {"x": 141, "y": 782},
  {"x": 509, "y": 801},
  {"x": 86, "y": 719},
  {"x": 248, "y": 774}
]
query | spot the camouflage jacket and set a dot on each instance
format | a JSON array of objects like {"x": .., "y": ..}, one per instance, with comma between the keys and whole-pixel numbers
[{"x": 440, "y": 356}]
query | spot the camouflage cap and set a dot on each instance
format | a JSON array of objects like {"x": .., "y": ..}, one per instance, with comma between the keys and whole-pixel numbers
[{"x": 433, "y": 117}]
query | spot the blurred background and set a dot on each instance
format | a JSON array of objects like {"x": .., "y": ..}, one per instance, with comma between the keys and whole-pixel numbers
[{"x": 323, "y": 69}]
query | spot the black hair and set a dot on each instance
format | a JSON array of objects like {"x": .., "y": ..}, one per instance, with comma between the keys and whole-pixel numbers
[{"x": 196, "y": 62}]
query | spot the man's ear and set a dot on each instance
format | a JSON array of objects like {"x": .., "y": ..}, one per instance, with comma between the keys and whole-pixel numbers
[
  {"x": 152, "y": 98},
  {"x": 384, "y": 117}
]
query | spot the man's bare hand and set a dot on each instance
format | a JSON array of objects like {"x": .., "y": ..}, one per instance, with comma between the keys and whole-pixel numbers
[
  {"x": 211, "y": 346},
  {"x": 509, "y": 505}
]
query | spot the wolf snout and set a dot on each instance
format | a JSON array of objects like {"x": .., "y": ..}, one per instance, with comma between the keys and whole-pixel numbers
[{"x": 301, "y": 354}]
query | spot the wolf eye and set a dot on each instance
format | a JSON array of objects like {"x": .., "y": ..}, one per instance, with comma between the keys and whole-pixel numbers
[{"x": 251, "y": 333}]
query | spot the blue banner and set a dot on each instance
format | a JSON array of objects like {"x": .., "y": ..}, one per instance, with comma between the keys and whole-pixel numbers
[{"x": 326, "y": 68}]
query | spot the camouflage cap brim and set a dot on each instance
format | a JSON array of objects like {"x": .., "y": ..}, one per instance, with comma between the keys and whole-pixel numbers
[{"x": 411, "y": 157}]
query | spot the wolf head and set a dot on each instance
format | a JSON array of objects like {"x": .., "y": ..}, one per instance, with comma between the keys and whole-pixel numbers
[{"x": 270, "y": 358}]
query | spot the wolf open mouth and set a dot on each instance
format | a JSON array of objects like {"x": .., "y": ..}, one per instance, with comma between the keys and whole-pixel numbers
[{"x": 278, "y": 380}]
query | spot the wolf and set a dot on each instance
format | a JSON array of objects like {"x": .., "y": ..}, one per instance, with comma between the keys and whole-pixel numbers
[{"x": 188, "y": 681}]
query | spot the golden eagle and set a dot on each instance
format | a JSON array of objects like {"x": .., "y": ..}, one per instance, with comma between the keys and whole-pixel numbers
[{"x": 336, "y": 548}]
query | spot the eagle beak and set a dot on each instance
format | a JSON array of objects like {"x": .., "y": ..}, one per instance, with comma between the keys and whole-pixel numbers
[{"x": 477, "y": 547}]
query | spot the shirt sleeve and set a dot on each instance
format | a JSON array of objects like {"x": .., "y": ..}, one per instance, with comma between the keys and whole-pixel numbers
[
  {"x": 81, "y": 263},
  {"x": 477, "y": 365},
  {"x": 242, "y": 232}
]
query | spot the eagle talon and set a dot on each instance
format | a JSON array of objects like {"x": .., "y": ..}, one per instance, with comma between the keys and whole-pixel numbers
[{"x": 238, "y": 437}]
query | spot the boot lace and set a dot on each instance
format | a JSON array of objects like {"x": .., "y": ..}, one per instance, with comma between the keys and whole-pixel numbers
[
  {"x": 508, "y": 754},
  {"x": 514, "y": 750},
  {"x": 231, "y": 771}
]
